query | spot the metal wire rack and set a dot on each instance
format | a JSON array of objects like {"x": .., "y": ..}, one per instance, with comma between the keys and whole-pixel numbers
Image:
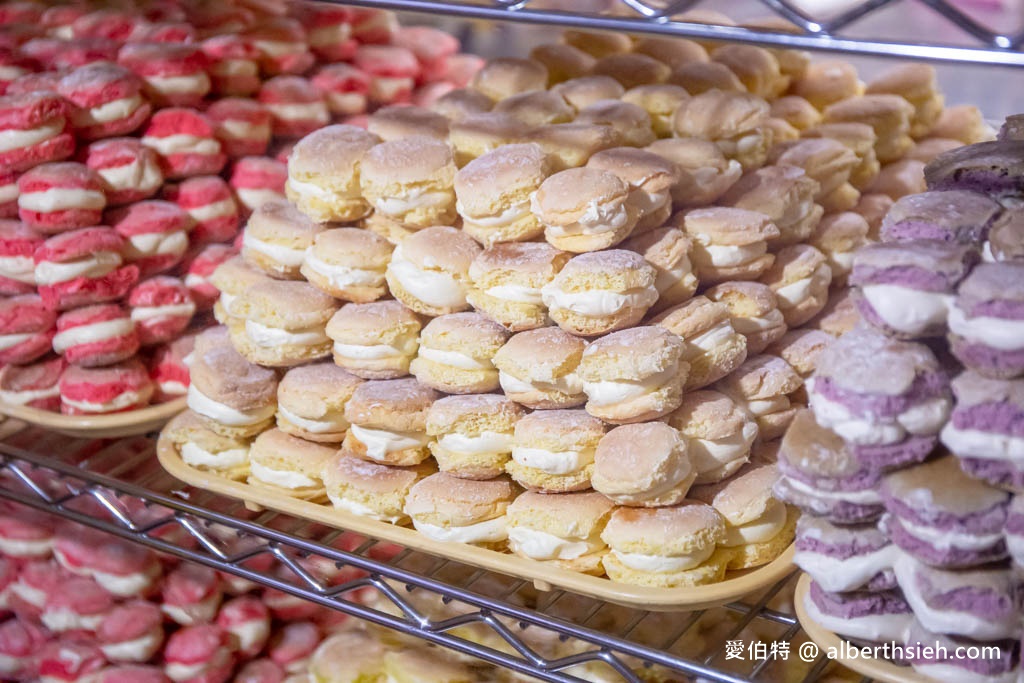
[
  {"x": 119, "y": 487},
  {"x": 985, "y": 44}
]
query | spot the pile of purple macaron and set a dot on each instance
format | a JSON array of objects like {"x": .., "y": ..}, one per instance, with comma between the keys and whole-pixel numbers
[{"x": 909, "y": 465}]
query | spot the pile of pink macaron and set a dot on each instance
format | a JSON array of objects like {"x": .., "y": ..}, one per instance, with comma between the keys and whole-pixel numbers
[
  {"x": 78, "y": 605},
  {"x": 133, "y": 144}
]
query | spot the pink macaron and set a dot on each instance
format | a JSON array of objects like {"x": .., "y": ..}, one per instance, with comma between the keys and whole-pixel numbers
[
  {"x": 41, "y": 81},
  {"x": 165, "y": 32},
  {"x": 186, "y": 143},
  {"x": 373, "y": 26},
  {"x": 97, "y": 335},
  {"x": 112, "y": 389},
  {"x": 60, "y": 196},
  {"x": 130, "y": 171},
  {"x": 198, "y": 269},
  {"x": 432, "y": 48},
  {"x": 461, "y": 68},
  {"x": 27, "y": 329},
  {"x": 168, "y": 368},
  {"x": 14, "y": 65},
  {"x": 17, "y": 269},
  {"x": 79, "y": 605},
  {"x": 58, "y": 21},
  {"x": 220, "y": 19},
  {"x": 36, "y": 130},
  {"x": 261, "y": 670},
  {"x": 70, "y": 54},
  {"x": 161, "y": 308},
  {"x": 174, "y": 75},
  {"x": 208, "y": 200},
  {"x": 242, "y": 125},
  {"x": 131, "y": 673},
  {"x": 328, "y": 30},
  {"x": 83, "y": 267},
  {"x": 20, "y": 643},
  {"x": 131, "y": 632},
  {"x": 36, "y": 581},
  {"x": 155, "y": 232},
  {"x": 344, "y": 87},
  {"x": 75, "y": 661},
  {"x": 110, "y": 24},
  {"x": 191, "y": 595},
  {"x": 282, "y": 45},
  {"x": 248, "y": 621},
  {"x": 108, "y": 100},
  {"x": 295, "y": 105},
  {"x": 293, "y": 644},
  {"x": 35, "y": 385},
  {"x": 123, "y": 569},
  {"x": 199, "y": 654},
  {"x": 258, "y": 180},
  {"x": 8, "y": 194},
  {"x": 233, "y": 64},
  {"x": 393, "y": 72},
  {"x": 26, "y": 534}
]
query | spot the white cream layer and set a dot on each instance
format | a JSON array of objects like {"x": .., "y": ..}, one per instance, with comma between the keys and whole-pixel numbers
[
  {"x": 380, "y": 442},
  {"x": 598, "y": 218},
  {"x": 115, "y": 110},
  {"x": 15, "y": 547},
  {"x": 12, "y": 139},
  {"x": 11, "y": 340},
  {"x": 148, "y": 244},
  {"x": 944, "y": 539},
  {"x": 226, "y": 415},
  {"x": 923, "y": 419},
  {"x": 128, "y": 585},
  {"x": 432, "y": 287},
  {"x": 120, "y": 402},
  {"x": 193, "y": 84},
  {"x": 490, "y": 531},
  {"x": 298, "y": 111},
  {"x": 517, "y": 294},
  {"x": 330, "y": 422},
  {"x": 508, "y": 216},
  {"x": 139, "y": 649},
  {"x": 876, "y": 627},
  {"x": 708, "y": 340},
  {"x": 709, "y": 455},
  {"x": 253, "y": 198},
  {"x": 20, "y": 268},
  {"x": 92, "y": 333},
  {"x": 540, "y": 545},
  {"x": 304, "y": 189},
  {"x": 755, "y": 324},
  {"x": 363, "y": 510},
  {"x": 182, "y": 143},
  {"x": 373, "y": 351},
  {"x": 975, "y": 443},
  {"x": 196, "y": 456},
  {"x": 661, "y": 564},
  {"x": 907, "y": 310},
  {"x": 569, "y": 384},
  {"x": 271, "y": 337},
  {"x": 611, "y": 392},
  {"x": 597, "y": 302},
  {"x": 343, "y": 276},
  {"x": 62, "y": 199},
  {"x": 796, "y": 293},
  {"x": 208, "y": 212},
  {"x": 144, "y": 313},
  {"x": 553, "y": 462},
  {"x": 135, "y": 175},
  {"x": 727, "y": 256},
  {"x": 292, "y": 258},
  {"x": 65, "y": 619},
  {"x": 481, "y": 444},
  {"x": 20, "y": 398},
  {"x": 761, "y": 530},
  {"x": 836, "y": 575},
  {"x": 454, "y": 359},
  {"x": 94, "y": 265},
  {"x": 864, "y": 497},
  {"x": 415, "y": 198},
  {"x": 286, "y": 479},
  {"x": 999, "y": 333}
]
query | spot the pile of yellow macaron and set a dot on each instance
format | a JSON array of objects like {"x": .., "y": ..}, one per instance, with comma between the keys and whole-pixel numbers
[{"x": 566, "y": 311}]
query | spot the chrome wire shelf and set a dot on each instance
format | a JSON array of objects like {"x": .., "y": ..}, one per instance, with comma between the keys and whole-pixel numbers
[
  {"x": 986, "y": 45},
  {"x": 119, "y": 487}
]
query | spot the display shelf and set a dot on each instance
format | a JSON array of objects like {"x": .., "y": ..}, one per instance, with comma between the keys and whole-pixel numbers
[
  {"x": 118, "y": 487},
  {"x": 983, "y": 44}
]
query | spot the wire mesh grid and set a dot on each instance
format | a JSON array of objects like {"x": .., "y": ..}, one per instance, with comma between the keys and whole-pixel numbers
[
  {"x": 119, "y": 487},
  {"x": 998, "y": 44}
]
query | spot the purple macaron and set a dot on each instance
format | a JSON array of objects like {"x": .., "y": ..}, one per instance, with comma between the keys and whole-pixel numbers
[
  {"x": 935, "y": 655},
  {"x": 979, "y": 604},
  {"x": 986, "y": 428},
  {"x": 956, "y": 216},
  {"x": 882, "y": 616},
  {"x": 845, "y": 558},
  {"x": 943, "y": 517},
  {"x": 886, "y": 398},
  {"x": 986, "y": 320},
  {"x": 1005, "y": 238},
  {"x": 820, "y": 475},
  {"x": 995, "y": 169},
  {"x": 905, "y": 288}
]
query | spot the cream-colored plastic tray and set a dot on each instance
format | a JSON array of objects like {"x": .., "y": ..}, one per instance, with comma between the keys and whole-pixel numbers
[
  {"x": 545, "y": 577},
  {"x": 828, "y": 641},
  {"x": 142, "y": 421}
]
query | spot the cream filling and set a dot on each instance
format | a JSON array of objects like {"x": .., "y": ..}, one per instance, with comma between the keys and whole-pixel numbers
[
  {"x": 670, "y": 277},
  {"x": 9, "y": 72},
  {"x": 512, "y": 214},
  {"x": 875, "y": 627},
  {"x": 157, "y": 244},
  {"x": 127, "y": 585},
  {"x": 380, "y": 442},
  {"x": 986, "y": 253},
  {"x": 193, "y": 84},
  {"x": 299, "y": 111},
  {"x": 136, "y": 175},
  {"x": 313, "y": 190},
  {"x": 740, "y": 145},
  {"x": 193, "y": 613},
  {"x": 197, "y": 456},
  {"x": 173, "y": 388},
  {"x": 865, "y": 497},
  {"x": 270, "y": 337},
  {"x": 765, "y": 406},
  {"x": 363, "y": 510},
  {"x": 998, "y": 333},
  {"x": 292, "y": 258},
  {"x": 329, "y": 36},
  {"x": 286, "y": 479},
  {"x": 924, "y": 419},
  {"x": 91, "y": 333},
  {"x": 62, "y": 199},
  {"x": 20, "y": 398},
  {"x": 136, "y": 650},
  {"x": 484, "y": 443},
  {"x": 649, "y": 202},
  {"x": 17, "y": 547},
  {"x": 761, "y": 530},
  {"x": 662, "y": 564},
  {"x": 755, "y": 324},
  {"x": 796, "y": 293},
  {"x": 342, "y": 276},
  {"x": 944, "y": 539},
  {"x": 65, "y": 619},
  {"x": 597, "y": 219},
  {"x": 416, "y": 198},
  {"x": 10, "y": 340},
  {"x": 598, "y": 302},
  {"x": 553, "y": 462},
  {"x": 30, "y": 594},
  {"x": 454, "y": 359},
  {"x": 709, "y": 455},
  {"x": 228, "y": 302},
  {"x": 114, "y": 110},
  {"x": 226, "y": 415},
  {"x": 836, "y": 575},
  {"x": 841, "y": 261},
  {"x": 95, "y": 264},
  {"x": 681, "y": 471},
  {"x": 143, "y": 313},
  {"x": 387, "y": 89},
  {"x": 124, "y": 400},
  {"x": 709, "y": 340},
  {"x": 540, "y": 545},
  {"x": 20, "y": 139},
  {"x": 238, "y": 129},
  {"x": 182, "y": 143},
  {"x": 610, "y": 392},
  {"x": 370, "y": 351},
  {"x": 907, "y": 310},
  {"x": 975, "y": 443},
  {"x": 207, "y": 212},
  {"x": 569, "y": 384},
  {"x": 332, "y": 421},
  {"x": 517, "y": 294},
  {"x": 20, "y": 268},
  {"x": 8, "y": 193},
  {"x": 727, "y": 256},
  {"x": 490, "y": 531},
  {"x": 250, "y": 633},
  {"x": 279, "y": 48},
  {"x": 253, "y": 198},
  {"x": 432, "y": 287},
  {"x": 196, "y": 281}
]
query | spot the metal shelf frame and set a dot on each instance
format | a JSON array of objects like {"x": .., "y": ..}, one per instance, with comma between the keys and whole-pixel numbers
[
  {"x": 991, "y": 47},
  {"x": 119, "y": 488}
]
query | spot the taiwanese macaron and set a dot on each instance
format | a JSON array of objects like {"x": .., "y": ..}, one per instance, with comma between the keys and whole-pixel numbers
[{"x": 376, "y": 340}]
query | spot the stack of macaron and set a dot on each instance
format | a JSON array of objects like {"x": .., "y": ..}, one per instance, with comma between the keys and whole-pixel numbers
[
  {"x": 909, "y": 466},
  {"x": 567, "y": 310},
  {"x": 170, "y": 133},
  {"x": 77, "y": 605}
]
